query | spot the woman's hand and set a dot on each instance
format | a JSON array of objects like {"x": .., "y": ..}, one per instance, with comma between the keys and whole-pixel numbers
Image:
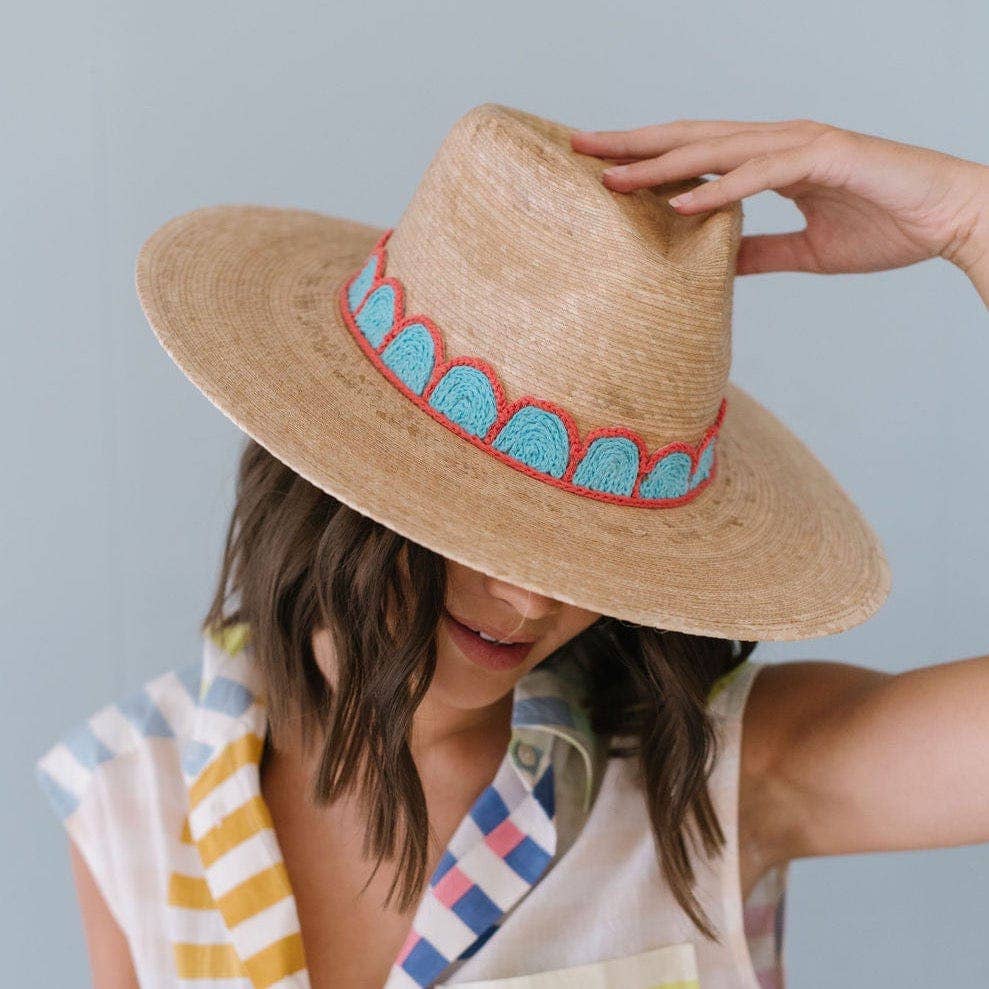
[{"x": 870, "y": 203}]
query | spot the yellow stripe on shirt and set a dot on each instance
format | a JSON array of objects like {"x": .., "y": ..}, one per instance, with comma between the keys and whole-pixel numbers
[
  {"x": 279, "y": 959},
  {"x": 262, "y": 890},
  {"x": 189, "y": 892},
  {"x": 237, "y": 754},
  {"x": 207, "y": 961},
  {"x": 247, "y": 820}
]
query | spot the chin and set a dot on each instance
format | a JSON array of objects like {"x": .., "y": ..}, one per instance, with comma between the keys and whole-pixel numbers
[{"x": 462, "y": 684}]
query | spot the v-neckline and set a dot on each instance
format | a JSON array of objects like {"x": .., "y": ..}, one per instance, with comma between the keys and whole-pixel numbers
[{"x": 497, "y": 853}]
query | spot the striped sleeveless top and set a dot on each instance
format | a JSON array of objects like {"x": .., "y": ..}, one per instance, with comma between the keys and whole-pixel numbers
[{"x": 551, "y": 879}]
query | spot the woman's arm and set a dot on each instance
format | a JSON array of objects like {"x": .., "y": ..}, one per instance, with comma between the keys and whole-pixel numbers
[
  {"x": 839, "y": 758},
  {"x": 847, "y": 759},
  {"x": 870, "y": 203},
  {"x": 109, "y": 954}
]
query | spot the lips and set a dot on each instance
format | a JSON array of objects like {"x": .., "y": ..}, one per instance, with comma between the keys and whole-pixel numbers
[
  {"x": 491, "y": 655},
  {"x": 492, "y": 632}
]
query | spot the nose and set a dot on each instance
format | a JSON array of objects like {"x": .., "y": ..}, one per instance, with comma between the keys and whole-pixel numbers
[{"x": 528, "y": 604}]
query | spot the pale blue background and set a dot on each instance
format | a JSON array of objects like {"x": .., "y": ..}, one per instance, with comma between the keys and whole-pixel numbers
[{"x": 117, "y": 115}]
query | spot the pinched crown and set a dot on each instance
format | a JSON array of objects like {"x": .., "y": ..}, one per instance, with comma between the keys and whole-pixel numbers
[
  {"x": 613, "y": 304},
  {"x": 588, "y": 332}
]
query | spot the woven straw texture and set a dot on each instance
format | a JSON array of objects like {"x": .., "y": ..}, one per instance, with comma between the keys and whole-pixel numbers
[{"x": 612, "y": 306}]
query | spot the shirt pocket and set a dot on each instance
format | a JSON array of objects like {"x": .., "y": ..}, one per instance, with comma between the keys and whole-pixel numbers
[{"x": 673, "y": 966}]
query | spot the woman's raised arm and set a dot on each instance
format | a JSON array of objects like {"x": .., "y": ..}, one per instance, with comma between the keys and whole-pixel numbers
[
  {"x": 848, "y": 759},
  {"x": 857, "y": 760}
]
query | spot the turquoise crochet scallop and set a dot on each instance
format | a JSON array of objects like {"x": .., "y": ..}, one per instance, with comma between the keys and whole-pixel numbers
[
  {"x": 611, "y": 464},
  {"x": 412, "y": 355},
  {"x": 360, "y": 285},
  {"x": 377, "y": 315},
  {"x": 704, "y": 465},
  {"x": 465, "y": 396},
  {"x": 670, "y": 478},
  {"x": 537, "y": 438}
]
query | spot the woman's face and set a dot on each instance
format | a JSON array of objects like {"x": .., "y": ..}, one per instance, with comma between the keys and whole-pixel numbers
[{"x": 471, "y": 675}]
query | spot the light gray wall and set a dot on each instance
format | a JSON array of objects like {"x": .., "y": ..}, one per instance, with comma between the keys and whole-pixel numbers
[{"x": 117, "y": 115}]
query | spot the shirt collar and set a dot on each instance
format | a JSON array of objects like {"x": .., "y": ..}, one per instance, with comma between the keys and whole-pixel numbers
[
  {"x": 498, "y": 853},
  {"x": 547, "y": 701}
]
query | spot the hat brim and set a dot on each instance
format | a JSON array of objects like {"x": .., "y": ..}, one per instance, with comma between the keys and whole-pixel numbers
[{"x": 244, "y": 300}]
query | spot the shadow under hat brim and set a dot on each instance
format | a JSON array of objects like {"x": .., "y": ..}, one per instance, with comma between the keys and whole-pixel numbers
[{"x": 244, "y": 300}]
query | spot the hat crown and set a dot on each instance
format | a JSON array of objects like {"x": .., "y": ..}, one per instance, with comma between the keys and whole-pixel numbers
[{"x": 611, "y": 305}]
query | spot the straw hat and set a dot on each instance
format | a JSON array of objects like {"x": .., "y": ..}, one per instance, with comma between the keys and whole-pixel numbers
[{"x": 528, "y": 375}]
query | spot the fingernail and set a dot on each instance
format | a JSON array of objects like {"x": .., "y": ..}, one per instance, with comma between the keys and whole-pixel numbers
[
  {"x": 614, "y": 170},
  {"x": 684, "y": 199}
]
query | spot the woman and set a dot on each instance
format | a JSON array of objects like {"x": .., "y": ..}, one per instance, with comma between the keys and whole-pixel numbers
[{"x": 474, "y": 782}]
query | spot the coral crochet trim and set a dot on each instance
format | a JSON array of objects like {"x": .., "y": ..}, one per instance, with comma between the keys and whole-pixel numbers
[{"x": 529, "y": 434}]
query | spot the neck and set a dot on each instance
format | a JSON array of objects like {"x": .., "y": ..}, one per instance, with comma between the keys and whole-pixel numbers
[
  {"x": 439, "y": 729},
  {"x": 441, "y": 733}
]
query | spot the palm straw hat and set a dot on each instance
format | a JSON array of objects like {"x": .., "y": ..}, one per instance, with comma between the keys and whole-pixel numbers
[{"x": 529, "y": 375}]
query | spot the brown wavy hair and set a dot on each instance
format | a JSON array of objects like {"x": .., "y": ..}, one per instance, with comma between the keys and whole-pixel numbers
[{"x": 298, "y": 560}]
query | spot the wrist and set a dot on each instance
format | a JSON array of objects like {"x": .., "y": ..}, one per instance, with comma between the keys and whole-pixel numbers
[
  {"x": 970, "y": 251},
  {"x": 976, "y": 265},
  {"x": 979, "y": 276}
]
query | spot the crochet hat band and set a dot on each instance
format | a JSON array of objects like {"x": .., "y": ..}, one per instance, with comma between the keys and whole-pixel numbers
[{"x": 535, "y": 436}]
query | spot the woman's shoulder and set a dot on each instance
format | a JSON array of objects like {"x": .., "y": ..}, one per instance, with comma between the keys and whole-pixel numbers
[
  {"x": 118, "y": 779},
  {"x": 792, "y": 697},
  {"x": 148, "y": 730},
  {"x": 139, "y": 724}
]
